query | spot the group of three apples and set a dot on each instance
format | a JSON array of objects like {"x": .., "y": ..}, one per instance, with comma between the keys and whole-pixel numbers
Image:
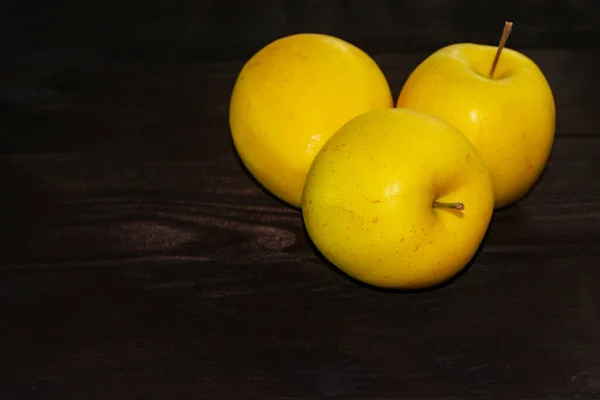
[{"x": 395, "y": 195}]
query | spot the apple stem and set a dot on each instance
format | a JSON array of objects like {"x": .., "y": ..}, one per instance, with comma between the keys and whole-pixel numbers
[
  {"x": 455, "y": 206},
  {"x": 503, "y": 39}
]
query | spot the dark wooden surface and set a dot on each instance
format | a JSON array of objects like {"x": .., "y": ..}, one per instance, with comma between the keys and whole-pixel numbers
[{"x": 140, "y": 261}]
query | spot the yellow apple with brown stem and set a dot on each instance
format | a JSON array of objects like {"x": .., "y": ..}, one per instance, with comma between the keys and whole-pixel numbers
[
  {"x": 398, "y": 198},
  {"x": 500, "y": 99}
]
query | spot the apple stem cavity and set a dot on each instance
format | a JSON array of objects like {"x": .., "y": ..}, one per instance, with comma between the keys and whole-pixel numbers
[
  {"x": 455, "y": 206},
  {"x": 503, "y": 39}
]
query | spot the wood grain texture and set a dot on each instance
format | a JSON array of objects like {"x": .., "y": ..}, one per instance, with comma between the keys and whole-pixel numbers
[{"x": 140, "y": 260}]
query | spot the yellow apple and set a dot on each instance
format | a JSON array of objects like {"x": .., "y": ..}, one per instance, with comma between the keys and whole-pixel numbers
[
  {"x": 509, "y": 117},
  {"x": 291, "y": 96},
  {"x": 398, "y": 199}
]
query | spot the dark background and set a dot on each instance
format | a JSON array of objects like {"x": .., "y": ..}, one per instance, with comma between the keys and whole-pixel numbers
[
  {"x": 215, "y": 30},
  {"x": 139, "y": 259}
]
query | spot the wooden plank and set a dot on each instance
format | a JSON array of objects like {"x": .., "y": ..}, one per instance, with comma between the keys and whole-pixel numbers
[{"x": 65, "y": 208}]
